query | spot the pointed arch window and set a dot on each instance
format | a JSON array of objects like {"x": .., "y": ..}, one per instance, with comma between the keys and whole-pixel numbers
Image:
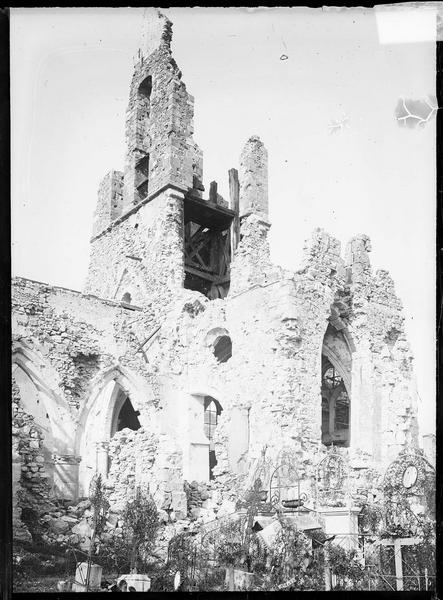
[
  {"x": 335, "y": 406},
  {"x": 124, "y": 415}
]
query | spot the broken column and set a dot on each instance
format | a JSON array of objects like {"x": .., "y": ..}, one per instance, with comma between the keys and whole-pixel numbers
[
  {"x": 159, "y": 120},
  {"x": 239, "y": 439},
  {"x": 102, "y": 449},
  {"x": 253, "y": 176},
  {"x": 357, "y": 258},
  {"x": 252, "y": 254},
  {"x": 109, "y": 202}
]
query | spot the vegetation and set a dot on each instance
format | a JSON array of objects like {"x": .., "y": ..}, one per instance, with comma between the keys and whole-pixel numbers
[
  {"x": 140, "y": 525},
  {"x": 293, "y": 561}
]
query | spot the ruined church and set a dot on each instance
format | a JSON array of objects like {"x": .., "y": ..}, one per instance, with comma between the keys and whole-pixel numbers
[{"x": 189, "y": 356}]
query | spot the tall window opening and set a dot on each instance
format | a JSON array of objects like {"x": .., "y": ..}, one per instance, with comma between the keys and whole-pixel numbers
[
  {"x": 207, "y": 256},
  {"x": 142, "y": 176},
  {"x": 335, "y": 406},
  {"x": 124, "y": 414},
  {"x": 143, "y": 110},
  {"x": 212, "y": 412},
  {"x": 128, "y": 417},
  {"x": 223, "y": 349}
]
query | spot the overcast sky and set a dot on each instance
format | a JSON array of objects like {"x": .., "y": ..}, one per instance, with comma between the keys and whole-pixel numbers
[{"x": 70, "y": 74}]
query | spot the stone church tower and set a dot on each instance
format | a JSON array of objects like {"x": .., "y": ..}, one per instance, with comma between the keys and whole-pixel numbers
[{"x": 190, "y": 356}]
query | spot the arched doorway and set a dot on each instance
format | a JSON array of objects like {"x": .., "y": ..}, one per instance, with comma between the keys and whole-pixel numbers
[{"x": 109, "y": 412}]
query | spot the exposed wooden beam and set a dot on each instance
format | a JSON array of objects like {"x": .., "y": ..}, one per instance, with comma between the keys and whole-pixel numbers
[
  {"x": 207, "y": 214},
  {"x": 206, "y": 276},
  {"x": 234, "y": 194}
]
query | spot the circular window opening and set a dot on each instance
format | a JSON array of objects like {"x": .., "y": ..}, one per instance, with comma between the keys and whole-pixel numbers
[
  {"x": 223, "y": 349},
  {"x": 126, "y": 298},
  {"x": 410, "y": 475}
]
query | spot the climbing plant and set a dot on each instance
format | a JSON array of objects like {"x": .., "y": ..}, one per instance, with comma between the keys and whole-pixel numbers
[
  {"x": 99, "y": 508},
  {"x": 348, "y": 571},
  {"x": 229, "y": 543},
  {"x": 292, "y": 564}
]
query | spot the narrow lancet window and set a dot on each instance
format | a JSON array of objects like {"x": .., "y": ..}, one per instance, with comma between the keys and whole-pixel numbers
[{"x": 335, "y": 407}]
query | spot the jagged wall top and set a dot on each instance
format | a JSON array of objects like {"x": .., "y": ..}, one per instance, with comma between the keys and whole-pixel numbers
[
  {"x": 159, "y": 118},
  {"x": 156, "y": 31}
]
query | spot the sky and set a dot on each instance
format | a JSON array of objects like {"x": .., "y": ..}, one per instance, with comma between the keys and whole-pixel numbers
[{"x": 70, "y": 75}]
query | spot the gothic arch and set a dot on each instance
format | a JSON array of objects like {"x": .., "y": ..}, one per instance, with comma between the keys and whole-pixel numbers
[
  {"x": 336, "y": 391},
  {"x": 44, "y": 377},
  {"x": 97, "y": 422},
  {"x": 37, "y": 382},
  {"x": 338, "y": 348},
  {"x": 214, "y": 334}
]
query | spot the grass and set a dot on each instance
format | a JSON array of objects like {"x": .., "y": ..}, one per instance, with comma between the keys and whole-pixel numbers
[{"x": 46, "y": 583}]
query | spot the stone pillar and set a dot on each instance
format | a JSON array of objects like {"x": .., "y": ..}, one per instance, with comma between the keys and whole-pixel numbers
[
  {"x": 357, "y": 258},
  {"x": 239, "y": 439},
  {"x": 251, "y": 262},
  {"x": 109, "y": 202},
  {"x": 167, "y": 477},
  {"x": 253, "y": 176},
  {"x": 102, "y": 458},
  {"x": 66, "y": 475}
]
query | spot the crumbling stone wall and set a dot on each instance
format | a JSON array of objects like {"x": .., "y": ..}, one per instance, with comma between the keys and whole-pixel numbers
[
  {"x": 166, "y": 133},
  {"x": 76, "y": 339},
  {"x": 145, "y": 251},
  {"x": 110, "y": 201},
  {"x": 253, "y": 177},
  {"x": 156, "y": 349},
  {"x": 384, "y": 393},
  {"x": 32, "y": 490},
  {"x": 130, "y": 452},
  {"x": 138, "y": 246}
]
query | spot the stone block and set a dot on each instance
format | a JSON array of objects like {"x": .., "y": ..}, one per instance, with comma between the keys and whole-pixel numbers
[
  {"x": 83, "y": 529},
  {"x": 197, "y": 512},
  {"x": 58, "y": 525},
  {"x": 139, "y": 581}
]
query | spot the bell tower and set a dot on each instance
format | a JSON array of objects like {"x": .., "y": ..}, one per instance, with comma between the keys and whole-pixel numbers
[
  {"x": 160, "y": 150},
  {"x": 153, "y": 231}
]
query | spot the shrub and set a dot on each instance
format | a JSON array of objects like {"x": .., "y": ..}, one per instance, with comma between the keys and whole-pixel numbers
[{"x": 140, "y": 524}]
